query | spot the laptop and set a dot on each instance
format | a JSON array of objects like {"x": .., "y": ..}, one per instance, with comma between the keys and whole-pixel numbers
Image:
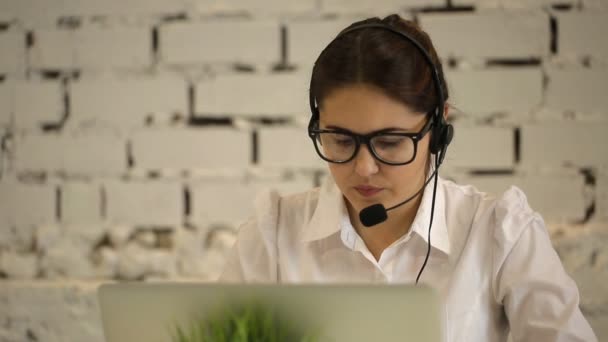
[{"x": 193, "y": 312}]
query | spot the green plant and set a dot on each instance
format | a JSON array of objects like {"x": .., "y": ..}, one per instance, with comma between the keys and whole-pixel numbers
[{"x": 251, "y": 322}]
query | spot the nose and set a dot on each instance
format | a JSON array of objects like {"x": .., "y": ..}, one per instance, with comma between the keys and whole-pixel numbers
[{"x": 365, "y": 163}]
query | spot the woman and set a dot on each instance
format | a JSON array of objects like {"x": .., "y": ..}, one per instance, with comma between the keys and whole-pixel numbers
[{"x": 378, "y": 103}]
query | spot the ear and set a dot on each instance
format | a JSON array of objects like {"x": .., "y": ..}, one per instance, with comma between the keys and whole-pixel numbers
[{"x": 446, "y": 110}]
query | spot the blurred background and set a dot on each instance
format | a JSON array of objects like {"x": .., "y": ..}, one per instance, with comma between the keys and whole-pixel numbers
[{"x": 135, "y": 134}]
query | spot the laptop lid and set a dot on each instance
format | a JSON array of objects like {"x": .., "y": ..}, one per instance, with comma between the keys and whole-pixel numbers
[{"x": 177, "y": 312}]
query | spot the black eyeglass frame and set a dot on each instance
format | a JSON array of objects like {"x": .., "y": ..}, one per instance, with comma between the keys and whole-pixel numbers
[{"x": 366, "y": 139}]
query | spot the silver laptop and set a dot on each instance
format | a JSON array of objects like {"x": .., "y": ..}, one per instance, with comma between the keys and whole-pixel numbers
[{"x": 190, "y": 312}]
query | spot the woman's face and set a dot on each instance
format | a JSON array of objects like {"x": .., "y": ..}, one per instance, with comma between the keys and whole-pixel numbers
[{"x": 364, "y": 180}]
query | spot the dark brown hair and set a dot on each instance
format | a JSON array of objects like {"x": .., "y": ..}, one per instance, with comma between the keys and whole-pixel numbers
[{"x": 382, "y": 59}]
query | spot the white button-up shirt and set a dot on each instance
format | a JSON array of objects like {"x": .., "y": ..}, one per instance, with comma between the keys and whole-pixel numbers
[{"x": 491, "y": 259}]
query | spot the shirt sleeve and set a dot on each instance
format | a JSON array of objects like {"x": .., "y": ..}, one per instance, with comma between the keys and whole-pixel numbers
[
  {"x": 540, "y": 299},
  {"x": 253, "y": 259}
]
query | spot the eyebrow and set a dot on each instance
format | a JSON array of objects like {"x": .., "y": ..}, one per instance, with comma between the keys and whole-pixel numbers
[{"x": 384, "y": 130}]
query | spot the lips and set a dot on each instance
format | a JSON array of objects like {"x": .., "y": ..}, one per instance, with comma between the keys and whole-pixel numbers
[{"x": 367, "y": 190}]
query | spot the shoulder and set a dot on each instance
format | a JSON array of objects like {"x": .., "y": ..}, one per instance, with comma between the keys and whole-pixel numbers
[
  {"x": 272, "y": 208},
  {"x": 500, "y": 217}
]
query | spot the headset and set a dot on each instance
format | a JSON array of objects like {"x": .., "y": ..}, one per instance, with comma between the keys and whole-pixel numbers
[{"x": 441, "y": 131}]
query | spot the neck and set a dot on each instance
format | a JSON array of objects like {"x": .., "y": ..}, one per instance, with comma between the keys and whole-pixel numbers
[{"x": 398, "y": 223}]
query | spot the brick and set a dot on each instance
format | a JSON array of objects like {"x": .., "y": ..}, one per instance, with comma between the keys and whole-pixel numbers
[
  {"x": 200, "y": 42},
  {"x": 256, "y": 7},
  {"x": 561, "y": 143},
  {"x": 48, "y": 106},
  {"x": 601, "y": 209},
  {"x": 491, "y": 34},
  {"x": 144, "y": 203},
  {"x": 306, "y": 39},
  {"x": 12, "y": 45},
  {"x": 557, "y": 197},
  {"x": 7, "y": 103},
  {"x": 287, "y": 147},
  {"x": 67, "y": 257},
  {"x": 133, "y": 262},
  {"x": 515, "y": 91},
  {"x": 124, "y": 8},
  {"x": 36, "y": 11},
  {"x": 88, "y": 155},
  {"x": 126, "y": 103},
  {"x": 289, "y": 187},
  {"x": 80, "y": 203},
  {"x": 120, "y": 234},
  {"x": 582, "y": 34},
  {"x": 587, "y": 96},
  {"x": 52, "y": 49},
  {"x": 19, "y": 265},
  {"x": 221, "y": 202},
  {"x": 481, "y": 147},
  {"x": 97, "y": 48},
  {"x": 192, "y": 259},
  {"x": 7, "y": 10},
  {"x": 277, "y": 95},
  {"x": 363, "y": 6},
  {"x": 161, "y": 148},
  {"x": 231, "y": 202},
  {"x": 26, "y": 204},
  {"x": 510, "y": 4},
  {"x": 50, "y": 309}
]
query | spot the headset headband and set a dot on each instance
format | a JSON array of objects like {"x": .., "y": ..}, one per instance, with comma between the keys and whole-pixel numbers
[{"x": 437, "y": 81}]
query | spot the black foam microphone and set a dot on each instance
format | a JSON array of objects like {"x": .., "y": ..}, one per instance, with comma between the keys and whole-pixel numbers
[
  {"x": 373, "y": 215},
  {"x": 376, "y": 213}
]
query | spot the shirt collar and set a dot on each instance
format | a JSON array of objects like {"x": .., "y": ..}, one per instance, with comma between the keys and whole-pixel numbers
[
  {"x": 439, "y": 230},
  {"x": 331, "y": 210}
]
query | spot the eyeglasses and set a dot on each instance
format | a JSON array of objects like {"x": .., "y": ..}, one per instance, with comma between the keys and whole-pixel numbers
[{"x": 389, "y": 147}]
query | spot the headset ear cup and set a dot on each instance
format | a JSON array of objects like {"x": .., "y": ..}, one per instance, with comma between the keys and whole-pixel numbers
[
  {"x": 448, "y": 134},
  {"x": 436, "y": 134},
  {"x": 441, "y": 138}
]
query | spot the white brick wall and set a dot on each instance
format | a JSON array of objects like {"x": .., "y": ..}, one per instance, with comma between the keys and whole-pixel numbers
[
  {"x": 122, "y": 104},
  {"x": 183, "y": 149},
  {"x": 7, "y": 103},
  {"x": 227, "y": 202},
  {"x": 37, "y": 103},
  {"x": 12, "y": 45},
  {"x": 558, "y": 197},
  {"x": 231, "y": 201},
  {"x": 26, "y": 204},
  {"x": 481, "y": 147},
  {"x": 601, "y": 208},
  {"x": 52, "y": 49},
  {"x": 582, "y": 34},
  {"x": 497, "y": 34},
  {"x": 288, "y": 147},
  {"x": 517, "y": 91},
  {"x": 36, "y": 12},
  {"x": 517, "y": 4},
  {"x": 306, "y": 39},
  {"x": 80, "y": 203},
  {"x": 253, "y": 95},
  {"x": 256, "y": 7},
  {"x": 85, "y": 212},
  {"x": 249, "y": 42},
  {"x": 557, "y": 143},
  {"x": 382, "y": 6},
  {"x": 588, "y": 94},
  {"x": 144, "y": 203},
  {"x": 88, "y": 155},
  {"x": 92, "y": 48}
]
